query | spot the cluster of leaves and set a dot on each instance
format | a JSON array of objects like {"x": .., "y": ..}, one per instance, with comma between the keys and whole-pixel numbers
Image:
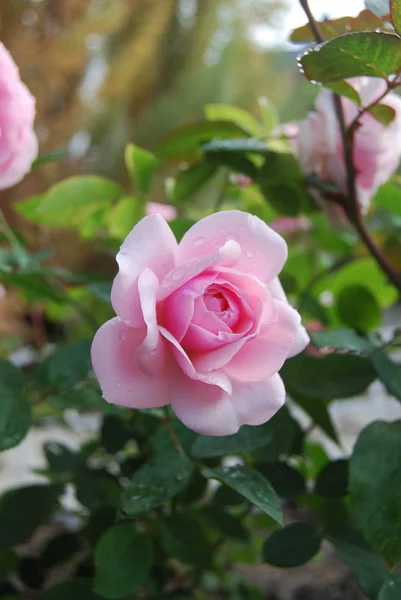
[{"x": 159, "y": 511}]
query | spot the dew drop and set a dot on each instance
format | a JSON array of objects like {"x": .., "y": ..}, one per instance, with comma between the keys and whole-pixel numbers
[
  {"x": 250, "y": 254},
  {"x": 178, "y": 273},
  {"x": 118, "y": 384},
  {"x": 200, "y": 241}
]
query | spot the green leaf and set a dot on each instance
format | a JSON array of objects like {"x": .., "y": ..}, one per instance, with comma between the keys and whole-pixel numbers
[
  {"x": 332, "y": 481},
  {"x": 281, "y": 435},
  {"x": 371, "y": 54},
  {"x": 388, "y": 196},
  {"x": 246, "y": 440},
  {"x": 236, "y": 162},
  {"x": 70, "y": 202},
  {"x": 269, "y": 113},
  {"x": 365, "y": 21},
  {"x": 99, "y": 520},
  {"x": 53, "y": 156},
  {"x": 389, "y": 373},
  {"x": 251, "y": 484},
  {"x": 185, "y": 142},
  {"x": 124, "y": 215},
  {"x": 327, "y": 378},
  {"x": 237, "y": 146},
  {"x": 114, "y": 434},
  {"x": 368, "y": 567},
  {"x": 189, "y": 181},
  {"x": 62, "y": 461},
  {"x": 343, "y": 88},
  {"x": 15, "y": 420},
  {"x": 395, "y": 6},
  {"x": 317, "y": 410},
  {"x": 183, "y": 537},
  {"x": 123, "y": 560},
  {"x": 375, "y": 487},
  {"x": 141, "y": 165},
  {"x": 357, "y": 307},
  {"x": 22, "y": 510},
  {"x": 383, "y": 113},
  {"x": 342, "y": 339},
  {"x": 286, "y": 480},
  {"x": 226, "y": 524},
  {"x": 162, "y": 443},
  {"x": 61, "y": 548},
  {"x": 100, "y": 289},
  {"x": 96, "y": 488},
  {"x": 11, "y": 379},
  {"x": 292, "y": 546},
  {"x": 78, "y": 589},
  {"x": 281, "y": 182},
  {"x": 68, "y": 365},
  {"x": 157, "y": 482},
  {"x": 391, "y": 589},
  {"x": 8, "y": 562},
  {"x": 239, "y": 116}
]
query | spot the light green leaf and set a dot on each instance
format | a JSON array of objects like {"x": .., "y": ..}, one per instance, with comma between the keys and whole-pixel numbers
[
  {"x": 191, "y": 180},
  {"x": 375, "y": 487},
  {"x": 358, "y": 308},
  {"x": 123, "y": 216},
  {"x": 372, "y": 54},
  {"x": 239, "y": 116},
  {"x": 389, "y": 373},
  {"x": 343, "y": 88},
  {"x": 238, "y": 146},
  {"x": 123, "y": 560},
  {"x": 252, "y": 485},
  {"x": 342, "y": 339},
  {"x": 53, "y": 156},
  {"x": 395, "y": 6},
  {"x": 141, "y": 165},
  {"x": 270, "y": 116},
  {"x": 291, "y": 546},
  {"x": 383, "y": 113},
  {"x": 388, "y": 196}
]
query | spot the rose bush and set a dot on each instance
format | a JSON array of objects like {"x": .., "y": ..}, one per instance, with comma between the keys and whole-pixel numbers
[
  {"x": 204, "y": 325},
  {"x": 377, "y": 147},
  {"x": 18, "y": 142}
]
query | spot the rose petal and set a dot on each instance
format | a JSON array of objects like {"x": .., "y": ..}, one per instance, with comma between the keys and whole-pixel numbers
[
  {"x": 302, "y": 339},
  {"x": 151, "y": 354},
  {"x": 122, "y": 380},
  {"x": 206, "y": 409},
  {"x": 264, "y": 252},
  {"x": 150, "y": 244},
  {"x": 257, "y": 403}
]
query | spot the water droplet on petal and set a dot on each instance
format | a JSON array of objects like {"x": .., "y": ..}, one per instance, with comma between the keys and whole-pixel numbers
[
  {"x": 118, "y": 384},
  {"x": 178, "y": 273},
  {"x": 200, "y": 241},
  {"x": 250, "y": 253}
]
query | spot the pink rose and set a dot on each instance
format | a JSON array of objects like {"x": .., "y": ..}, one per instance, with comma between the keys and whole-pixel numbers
[
  {"x": 204, "y": 325},
  {"x": 290, "y": 224},
  {"x": 377, "y": 148},
  {"x": 18, "y": 142},
  {"x": 165, "y": 210}
]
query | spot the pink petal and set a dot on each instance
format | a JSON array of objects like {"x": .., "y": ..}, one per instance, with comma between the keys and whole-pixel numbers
[
  {"x": 217, "y": 378},
  {"x": 167, "y": 211},
  {"x": 264, "y": 355},
  {"x": 218, "y": 358},
  {"x": 150, "y": 244},
  {"x": 257, "y": 403},
  {"x": 122, "y": 380},
  {"x": 151, "y": 354},
  {"x": 264, "y": 252},
  {"x": 206, "y": 409}
]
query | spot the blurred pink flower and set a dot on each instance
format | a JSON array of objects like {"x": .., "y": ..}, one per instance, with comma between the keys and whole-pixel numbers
[
  {"x": 203, "y": 325},
  {"x": 165, "y": 210},
  {"x": 377, "y": 148},
  {"x": 18, "y": 142},
  {"x": 290, "y": 224}
]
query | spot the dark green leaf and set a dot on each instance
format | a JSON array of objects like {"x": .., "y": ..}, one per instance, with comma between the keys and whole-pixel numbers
[
  {"x": 368, "y": 567},
  {"x": 8, "y": 562},
  {"x": 332, "y": 481},
  {"x": 358, "y": 309},
  {"x": 189, "y": 181},
  {"x": 76, "y": 589},
  {"x": 22, "y": 510},
  {"x": 375, "y": 487},
  {"x": 226, "y": 496},
  {"x": 395, "y": 6},
  {"x": 100, "y": 289},
  {"x": 391, "y": 589},
  {"x": 388, "y": 196},
  {"x": 61, "y": 548},
  {"x": 141, "y": 166},
  {"x": 372, "y": 54},
  {"x": 291, "y": 546},
  {"x": 123, "y": 561},
  {"x": 63, "y": 462},
  {"x": 246, "y": 440},
  {"x": 68, "y": 365},
  {"x": 53, "y": 156},
  {"x": 161, "y": 440},
  {"x": 327, "y": 378},
  {"x": 383, "y": 113},
  {"x": 235, "y": 161},
  {"x": 389, "y": 373},
  {"x": 15, "y": 420},
  {"x": 317, "y": 410},
  {"x": 185, "y": 143},
  {"x": 237, "y": 146},
  {"x": 281, "y": 433},
  {"x": 343, "y": 88},
  {"x": 100, "y": 520},
  {"x": 239, "y": 116},
  {"x": 227, "y": 525},
  {"x": 114, "y": 434},
  {"x": 281, "y": 182},
  {"x": 96, "y": 488},
  {"x": 251, "y": 484},
  {"x": 11, "y": 379},
  {"x": 157, "y": 482},
  {"x": 286, "y": 480},
  {"x": 183, "y": 537},
  {"x": 341, "y": 339}
]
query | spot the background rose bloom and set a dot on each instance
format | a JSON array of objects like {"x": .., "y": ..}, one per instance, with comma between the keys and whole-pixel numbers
[
  {"x": 165, "y": 210},
  {"x": 377, "y": 148},
  {"x": 204, "y": 324},
  {"x": 18, "y": 142}
]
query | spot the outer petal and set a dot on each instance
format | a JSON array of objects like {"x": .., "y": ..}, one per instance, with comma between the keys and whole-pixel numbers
[
  {"x": 122, "y": 380},
  {"x": 264, "y": 252},
  {"x": 206, "y": 409},
  {"x": 151, "y": 244},
  {"x": 256, "y": 403},
  {"x": 302, "y": 339}
]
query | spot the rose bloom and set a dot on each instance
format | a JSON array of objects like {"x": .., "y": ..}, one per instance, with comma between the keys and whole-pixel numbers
[
  {"x": 203, "y": 325},
  {"x": 377, "y": 148},
  {"x": 18, "y": 142},
  {"x": 165, "y": 210}
]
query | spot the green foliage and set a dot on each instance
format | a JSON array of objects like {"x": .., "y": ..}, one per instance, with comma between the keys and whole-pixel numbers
[
  {"x": 79, "y": 589},
  {"x": 395, "y": 14},
  {"x": 292, "y": 546},
  {"x": 371, "y": 54},
  {"x": 357, "y": 308},
  {"x": 391, "y": 589},
  {"x": 15, "y": 410},
  {"x": 141, "y": 166},
  {"x": 332, "y": 481}
]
